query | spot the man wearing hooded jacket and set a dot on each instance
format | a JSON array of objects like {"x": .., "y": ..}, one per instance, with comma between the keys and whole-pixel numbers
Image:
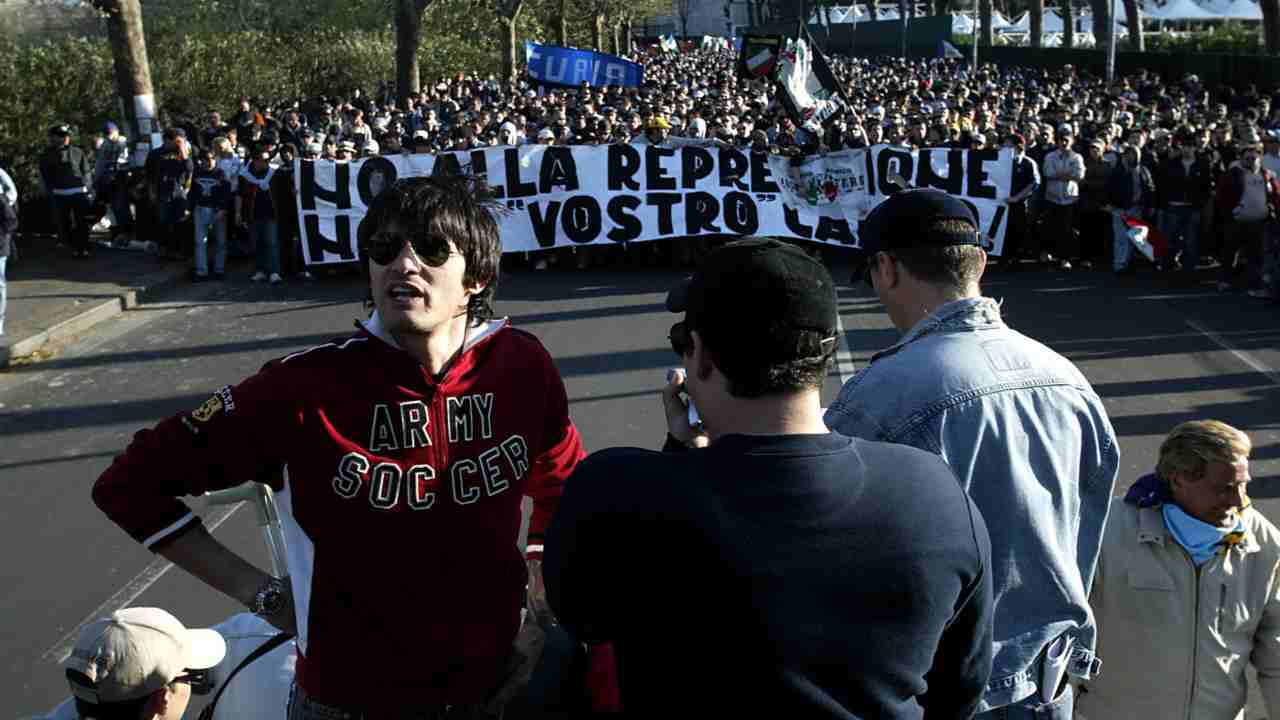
[{"x": 399, "y": 456}]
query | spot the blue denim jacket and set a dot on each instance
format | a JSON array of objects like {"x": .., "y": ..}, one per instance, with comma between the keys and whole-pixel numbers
[{"x": 1029, "y": 439}]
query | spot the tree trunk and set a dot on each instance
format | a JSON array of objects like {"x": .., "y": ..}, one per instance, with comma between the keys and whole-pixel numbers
[
  {"x": 1271, "y": 25},
  {"x": 1068, "y": 24},
  {"x": 985, "y": 31},
  {"x": 1036, "y": 8},
  {"x": 562, "y": 24},
  {"x": 1133, "y": 13},
  {"x": 408, "y": 37},
  {"x": 132, "y": 70},
  {"x": 1101, "y": 22},
  {"x": 627, "y": 28},
  {"x": 508, "y": 33},
  {"x": 597, "y": 33}
]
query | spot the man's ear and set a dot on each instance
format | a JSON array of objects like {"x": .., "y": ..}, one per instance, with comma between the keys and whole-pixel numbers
[
  {"x": 888, "y": 270},
  {"x": 700, "y": 362}
]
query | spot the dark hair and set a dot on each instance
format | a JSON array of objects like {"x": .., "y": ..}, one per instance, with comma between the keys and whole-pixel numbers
[
  {"x": 123, "y": 710},
  {"x": 748, "y": 377},
  {"x": 944, "y": 260},
  {"x": 126, "y": 710},
  {"x": 449, "y": 207}
]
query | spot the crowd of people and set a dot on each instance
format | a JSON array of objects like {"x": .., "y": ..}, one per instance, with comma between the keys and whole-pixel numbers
[{"x": 1196, "y": 163}]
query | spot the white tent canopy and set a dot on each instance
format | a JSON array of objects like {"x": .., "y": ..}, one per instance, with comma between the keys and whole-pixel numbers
[
  {"x": 961, "y": 24},
  {"x": 1052, "y": 23},
  {"x": 1178, "y": 10},
  {"x": 1235, "y": 9}
]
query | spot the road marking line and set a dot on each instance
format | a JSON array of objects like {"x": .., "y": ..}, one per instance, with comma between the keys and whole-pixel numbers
[
  {"x": 124, "y": 596},
  {"x": 844, "y": 354},
  {"x": 1241, "y": 355}
]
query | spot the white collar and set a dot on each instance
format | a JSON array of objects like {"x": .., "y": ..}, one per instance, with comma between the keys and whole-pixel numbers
[{"x": 375, "y": 328}]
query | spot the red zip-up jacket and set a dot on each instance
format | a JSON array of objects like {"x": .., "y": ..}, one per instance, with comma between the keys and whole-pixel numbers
[{"x": 400, "y": 496}]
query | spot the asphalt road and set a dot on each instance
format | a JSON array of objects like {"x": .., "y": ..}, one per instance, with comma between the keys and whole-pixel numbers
[{"x": 1157, "y": 356}]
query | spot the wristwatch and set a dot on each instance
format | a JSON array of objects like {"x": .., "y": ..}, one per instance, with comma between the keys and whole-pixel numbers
[{"x": 269, "y": 599}]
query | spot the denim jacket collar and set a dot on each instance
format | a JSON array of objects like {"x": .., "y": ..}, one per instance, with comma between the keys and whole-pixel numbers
[{"x": 966, "y": 313}]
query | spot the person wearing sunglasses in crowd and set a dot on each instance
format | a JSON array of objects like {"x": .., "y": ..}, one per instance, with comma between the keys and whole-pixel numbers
[
  {"x": 1026, "y": 434},
  {"x": 138, "y": 664},
  {"x": 399, "y": 456},
  {"x": 795, "y": 580}
]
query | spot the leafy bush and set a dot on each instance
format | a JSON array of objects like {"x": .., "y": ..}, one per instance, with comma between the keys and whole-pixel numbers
[
  {"x": 1230, "y": 38},
  {"x": 203, "y": 61}
]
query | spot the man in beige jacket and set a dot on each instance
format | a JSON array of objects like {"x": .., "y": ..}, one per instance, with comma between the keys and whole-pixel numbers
[{"x": 1187, "y": 591}]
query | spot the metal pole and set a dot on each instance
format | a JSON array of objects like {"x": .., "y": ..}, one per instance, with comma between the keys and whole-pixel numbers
[
  {"x": 976, "y": 30},
  {"x": 1111, "y": 43},
  {"x": 902, "y": 21}
]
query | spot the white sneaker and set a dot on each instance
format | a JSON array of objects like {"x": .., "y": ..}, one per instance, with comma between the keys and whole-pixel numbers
[
  {"x": 305, "y": 275},
  {"x": 258, "y": 277},
  {"x": 275, "y": 278},
  {"x": 540, "y": 265}
]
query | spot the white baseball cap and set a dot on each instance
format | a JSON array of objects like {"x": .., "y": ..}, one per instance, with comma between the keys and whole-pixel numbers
[
  {"x": 546, "y": 134},
  {"x": 135, "y": 652},
  {"x": 507, "y": 127}
]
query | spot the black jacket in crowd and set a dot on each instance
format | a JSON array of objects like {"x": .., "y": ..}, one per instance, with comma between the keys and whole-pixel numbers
[
  {"x": 209, "y": 188},
  {"x": 796, "y": 576},
  {"x": 168, "y": 171},
  {"x": 1120, "y": 190},
  {"x": 1178, "y": 185},
  {"x": 65, "y": 167}
]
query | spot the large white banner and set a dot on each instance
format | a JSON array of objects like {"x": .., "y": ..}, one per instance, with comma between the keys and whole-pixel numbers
[{"x": 564, "y": 196}]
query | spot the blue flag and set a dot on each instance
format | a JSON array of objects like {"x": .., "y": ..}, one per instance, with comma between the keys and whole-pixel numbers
[{"x": 556, "y": 65}]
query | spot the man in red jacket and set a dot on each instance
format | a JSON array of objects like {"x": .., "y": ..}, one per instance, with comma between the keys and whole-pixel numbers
[{"x": 399, "y": 456}]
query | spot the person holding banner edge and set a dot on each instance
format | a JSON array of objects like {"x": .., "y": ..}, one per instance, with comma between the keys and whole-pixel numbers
[
  {"x": 422, "y": 431},
  {"x": 1025, "y": 433}
]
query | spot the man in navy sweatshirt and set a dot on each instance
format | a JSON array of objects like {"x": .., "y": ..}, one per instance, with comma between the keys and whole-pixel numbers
[
  {"x": 210, "y": 193},
  {"x": 764, "y": 566}
]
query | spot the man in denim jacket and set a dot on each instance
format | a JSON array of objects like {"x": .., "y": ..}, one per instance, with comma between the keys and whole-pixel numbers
[{"x": 1018, "y": 423}]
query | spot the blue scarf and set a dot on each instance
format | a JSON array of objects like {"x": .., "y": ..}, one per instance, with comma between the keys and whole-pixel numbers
[{"x": 1200, "y": 539}]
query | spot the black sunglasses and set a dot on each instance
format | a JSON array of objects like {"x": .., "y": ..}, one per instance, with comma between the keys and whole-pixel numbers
[
  {"x": 383, "y": 248},
  {"x": 199, "y": 680},
  {"x": 681, "y": 339}
]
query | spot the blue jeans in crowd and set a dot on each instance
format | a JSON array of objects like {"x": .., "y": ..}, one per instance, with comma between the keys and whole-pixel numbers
[
  {"x": 1122, "y": 247},
  {"x": 1181, "y": 225},
  {"x": 266, "y": 242},
  {"x": 205, "y": 221},
  {"x": 4, "y": 292}
]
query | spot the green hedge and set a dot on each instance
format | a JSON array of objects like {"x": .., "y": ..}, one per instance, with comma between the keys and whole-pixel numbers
[{"x": 70, "y": 79}]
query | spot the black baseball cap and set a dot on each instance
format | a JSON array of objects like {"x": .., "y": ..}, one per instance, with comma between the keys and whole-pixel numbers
[
  {"x": 903, "y": 221},
  {"x": 60, "y": 130},
  {"x": 754, "y": 297}
]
